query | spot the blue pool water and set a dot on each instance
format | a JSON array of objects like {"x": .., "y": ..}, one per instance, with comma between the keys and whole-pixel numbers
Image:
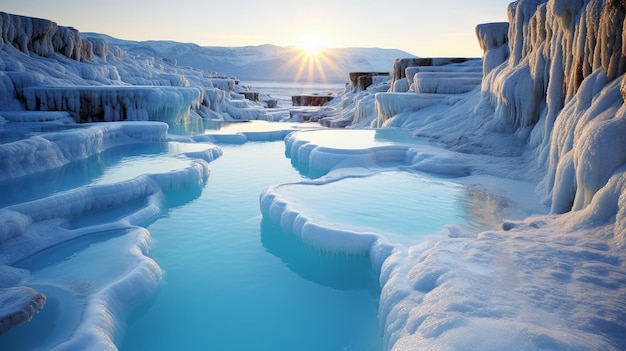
[
  {"x": 233, "y": 282},
  {"x": 405, "y": 207},
  {"x": 112, "y": 165}
]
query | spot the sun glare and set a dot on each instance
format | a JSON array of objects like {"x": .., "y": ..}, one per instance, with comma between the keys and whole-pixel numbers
[
  {"x": 312, "y": 58},
  {"x": 311, "y": 44}
]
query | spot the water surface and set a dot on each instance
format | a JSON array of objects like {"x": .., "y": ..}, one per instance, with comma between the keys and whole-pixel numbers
[{"x": 233, "y": 282}]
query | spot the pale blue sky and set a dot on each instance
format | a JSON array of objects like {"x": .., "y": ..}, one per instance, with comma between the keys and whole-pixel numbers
[{"x": 421, "y": 27}]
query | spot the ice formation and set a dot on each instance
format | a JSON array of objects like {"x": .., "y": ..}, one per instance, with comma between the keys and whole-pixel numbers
[
  {"x": 562, "y": 79},
  {"x": 105, "y": 83},
  {"x": 552, "y": 79},
  {"x": 50, "y": 79},
  {"x": 313, "y": 234},
  {"x": 549, "y": 110},
  {"x": 54, "y": 150}
]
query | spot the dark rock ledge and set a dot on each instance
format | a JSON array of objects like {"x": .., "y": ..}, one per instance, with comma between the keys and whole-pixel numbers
[
  {"x": 18, "y": 305},
  {"x": 310, "y": 100}
]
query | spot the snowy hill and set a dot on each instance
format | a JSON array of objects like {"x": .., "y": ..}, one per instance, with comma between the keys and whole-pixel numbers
[{"x": 264, "y": 62}]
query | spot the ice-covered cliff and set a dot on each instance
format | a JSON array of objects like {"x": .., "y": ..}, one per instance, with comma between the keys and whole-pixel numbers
[
  {"x": 46, "y": 67},
  {"x": 42, "y": 37},
  {"x": 561, "y": 85},
  {"x": 551, "y": 79}
]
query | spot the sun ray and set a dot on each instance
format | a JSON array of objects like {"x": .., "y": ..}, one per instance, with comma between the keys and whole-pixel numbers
[{"x": 312, "y": 63}]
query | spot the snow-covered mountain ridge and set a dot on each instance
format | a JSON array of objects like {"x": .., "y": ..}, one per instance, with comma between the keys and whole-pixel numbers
[{"x": 263, "y": 62}]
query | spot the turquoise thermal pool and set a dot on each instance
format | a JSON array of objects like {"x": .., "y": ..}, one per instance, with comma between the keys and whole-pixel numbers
[
  {"x": 231, "y": 279},
  {"x": 402, "y": 206}
]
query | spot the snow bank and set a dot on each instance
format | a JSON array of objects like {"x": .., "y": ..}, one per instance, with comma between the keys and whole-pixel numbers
[{"x": 456, "y": 293}]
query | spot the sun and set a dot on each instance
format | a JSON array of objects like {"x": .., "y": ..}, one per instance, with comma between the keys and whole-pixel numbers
[
  {"x": 311, "y": 44},
  {"x": 312, "y": 57}
]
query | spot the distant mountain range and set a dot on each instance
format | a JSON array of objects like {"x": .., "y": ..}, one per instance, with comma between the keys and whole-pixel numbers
[{"x": 265, "y": 62}]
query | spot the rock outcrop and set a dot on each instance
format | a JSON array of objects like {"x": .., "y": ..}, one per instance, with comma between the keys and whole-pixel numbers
[
  {"x": 310, "y": 100},
  {"x": 362, "y": 80}
]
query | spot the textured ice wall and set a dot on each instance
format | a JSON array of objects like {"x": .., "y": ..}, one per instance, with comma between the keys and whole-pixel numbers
[
  {"x": 561, "y": 80},
  {"x": 445, "y": 82},
  {"x": 400, "y": 65},
  {"x": 43, "y": 37},
  {"x": 117, "y": 103},
  {"x": 493, "y": 40},
  {"x": 389, "y": 105},
  {"x": 33, "y": 76}
]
